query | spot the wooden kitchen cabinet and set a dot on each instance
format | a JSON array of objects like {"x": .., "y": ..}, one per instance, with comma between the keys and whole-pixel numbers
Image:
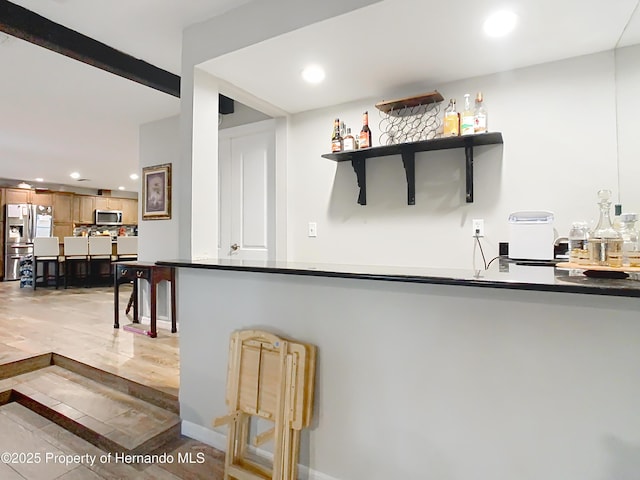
[
  {"x": 108, "y": 203},
  {"x": 62, "y": 215},
  {"x": 102, "y": 203},
  {"x": 42, "y": 198},
  {"x": 62, "y": 207},
  {"x": 62, "y": 230},
  {"x": 17, "y": 195},
  {"x": 83, "y": 208},
  {"x": 129, "y": 211}
]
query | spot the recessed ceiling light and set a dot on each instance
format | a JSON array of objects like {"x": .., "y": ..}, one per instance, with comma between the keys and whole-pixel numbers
[
  {"x": 39, "y": 179},
  {"x": 120, "y": 188},
  {"x": 500, "y": 23},
  {"x": 133, "y": 176},
  {"x": 313, "y": 74},
  {"x": 75, "y": 175}
]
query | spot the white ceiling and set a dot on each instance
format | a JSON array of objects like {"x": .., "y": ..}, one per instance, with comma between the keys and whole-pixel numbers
[
  {"x": 59, "y": 115},
  {"x": 377, "y": 50}
]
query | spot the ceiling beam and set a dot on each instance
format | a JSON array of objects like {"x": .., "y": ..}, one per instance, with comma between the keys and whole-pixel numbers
[
  {"x": 27, "y": 25},
  {"x": 19, "y": 22}
]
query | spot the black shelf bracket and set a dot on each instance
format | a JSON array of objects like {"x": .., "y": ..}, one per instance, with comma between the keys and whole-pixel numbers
[
  {"x": 359, "y": 166},
  {"x": 468, "y": 155},
  {"x": 409, "y": 162},
  {"x": 408, "y": 153}
]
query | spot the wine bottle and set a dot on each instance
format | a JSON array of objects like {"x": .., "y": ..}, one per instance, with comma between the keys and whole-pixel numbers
[
  {"x": 336, "y": 139},
  {"x": 365, "y": 133}
]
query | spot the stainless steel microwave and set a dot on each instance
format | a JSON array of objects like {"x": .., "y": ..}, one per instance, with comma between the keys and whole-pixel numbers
[{"x": 108, "y": 217}]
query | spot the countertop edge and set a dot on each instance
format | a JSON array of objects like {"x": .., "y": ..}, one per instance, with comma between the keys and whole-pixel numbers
[{"x": 426, "y": 279}]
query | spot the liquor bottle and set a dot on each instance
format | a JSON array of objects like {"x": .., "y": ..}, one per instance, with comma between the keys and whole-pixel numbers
[
  {"x": 336, "y": 139},
  {"x": 349, "y": 142},
  {"x": 365, "y": 133},
  {"x": 451, "y": 120},
  {"x": 480, "y": 115},
  {"x": 466, "y": 119}
]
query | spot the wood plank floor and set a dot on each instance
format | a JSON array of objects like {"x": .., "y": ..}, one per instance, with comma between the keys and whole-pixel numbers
[{"x": 78, "y": 323}]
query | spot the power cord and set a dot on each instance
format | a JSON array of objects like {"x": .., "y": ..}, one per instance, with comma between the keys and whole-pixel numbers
[
  {"x": 484, "y": 260},
  {"x": 491, "y": 261}
]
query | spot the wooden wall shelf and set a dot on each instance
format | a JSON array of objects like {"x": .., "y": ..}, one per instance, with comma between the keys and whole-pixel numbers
[{"x": 407, "y": 151}]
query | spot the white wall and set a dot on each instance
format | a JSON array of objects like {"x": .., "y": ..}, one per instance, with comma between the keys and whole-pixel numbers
[
  {"x": 628, "y": 106},
  {"x": 241, "y": 116},
  {"x": 158, "y": 239},
  {"x": 160, "y": 144},
  {"x": 469, "y": 391},
  {"x": 559, "y": 129},
  {"x": 243, "y": 26}
]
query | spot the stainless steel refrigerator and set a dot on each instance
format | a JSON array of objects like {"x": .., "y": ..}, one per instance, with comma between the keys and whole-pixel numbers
[{"x": 23, "y": 223}]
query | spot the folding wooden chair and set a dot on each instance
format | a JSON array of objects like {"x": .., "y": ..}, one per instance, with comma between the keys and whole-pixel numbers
[{"x": 269, "y": 378}]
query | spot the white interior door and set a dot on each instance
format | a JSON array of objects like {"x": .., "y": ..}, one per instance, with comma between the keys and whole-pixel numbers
[{"x": 246, "y": 163}]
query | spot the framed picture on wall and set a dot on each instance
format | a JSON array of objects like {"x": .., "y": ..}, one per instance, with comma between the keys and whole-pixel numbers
[{"x": 156, "y": 192}]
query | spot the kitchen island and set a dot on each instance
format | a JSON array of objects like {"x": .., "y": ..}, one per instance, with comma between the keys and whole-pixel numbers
[{"x": 519, "y": 371}]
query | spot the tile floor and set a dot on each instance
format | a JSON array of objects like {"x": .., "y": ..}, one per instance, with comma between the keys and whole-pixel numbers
[
  {"x": 123, "y": 422},
  {"x": 39, "y": 449},
  {"x": 78, "y": 323}
]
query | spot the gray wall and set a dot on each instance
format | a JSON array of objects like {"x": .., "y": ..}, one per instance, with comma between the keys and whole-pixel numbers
[{"x": 425, "y": 381}]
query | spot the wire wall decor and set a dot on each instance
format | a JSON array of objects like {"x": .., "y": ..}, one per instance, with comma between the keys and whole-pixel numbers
[{"x": 411, "y": 119}]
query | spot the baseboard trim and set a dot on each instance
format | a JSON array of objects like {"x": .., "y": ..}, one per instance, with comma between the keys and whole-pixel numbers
[
  {"x": 162, "y": 322},
  {"x": 204, "y": 435},
  {"x": 219, "y": 440}
]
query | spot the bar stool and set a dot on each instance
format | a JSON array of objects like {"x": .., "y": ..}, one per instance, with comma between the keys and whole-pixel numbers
[
  {"x": 99, "y": 254},
  {"x": 46, "y": 251},
  {"x": 76, "y": 255},
  {"x": 127, "y": 248}
]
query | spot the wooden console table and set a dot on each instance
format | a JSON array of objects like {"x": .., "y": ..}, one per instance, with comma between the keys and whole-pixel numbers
[{"x": 133, "y": 271}]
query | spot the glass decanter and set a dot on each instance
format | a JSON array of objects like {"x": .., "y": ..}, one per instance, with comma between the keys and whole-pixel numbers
[{"x": 604, "y": 239}]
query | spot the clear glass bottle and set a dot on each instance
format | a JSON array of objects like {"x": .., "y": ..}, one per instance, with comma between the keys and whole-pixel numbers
[
  {"x": 466, "y": 118},
  {"x": 480, "y": 115},
  {"x": 578, "y": 240},
  {"x": 629, "y": 235},
  {"x": 451, "y": 120},
  {"x": 349, "y": 141},
  {"x": 604, "y": 239}
]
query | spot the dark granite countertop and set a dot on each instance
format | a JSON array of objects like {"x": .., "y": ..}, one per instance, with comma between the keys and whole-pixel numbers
[{"x": 503, "y": 275}]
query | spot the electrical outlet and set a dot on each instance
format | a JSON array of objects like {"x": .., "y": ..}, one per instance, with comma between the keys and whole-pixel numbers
[
  {"x": 312, "y": 230},
  {"x": 478, "y": 227}
]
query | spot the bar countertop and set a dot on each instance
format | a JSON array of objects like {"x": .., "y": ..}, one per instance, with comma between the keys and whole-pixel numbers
[{"x": 506, "y": 274}]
